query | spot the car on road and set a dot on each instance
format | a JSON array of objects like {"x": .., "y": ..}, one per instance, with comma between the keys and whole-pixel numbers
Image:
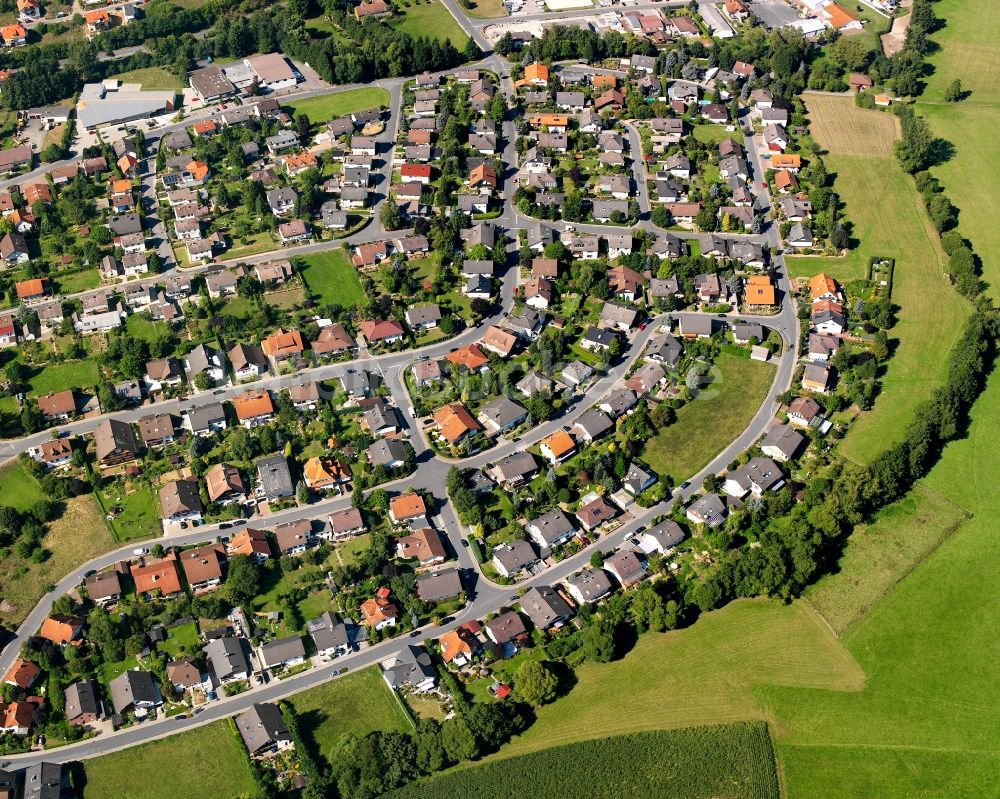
[
  {"x": 140, "y": 551},
  {"x": 415, "y": 633},
  {"x": 180, "y": 717},
  {"x": 642, "y": 325},
  {"x": 684, "y": 486},
  {"x": 218, "y": 391},
  {"x": 89, "y": 573},
  {"x": 239, "y": 522},
  {"x": 447, "y": 619},
  {"x": 225, "y": 526}
]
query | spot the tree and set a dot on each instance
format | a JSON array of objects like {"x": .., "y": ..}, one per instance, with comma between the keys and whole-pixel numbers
[
  {"x": 599, "y": 641},
  {"x": 457, "y": 739},
  {"x": 535, "y": 683},
  {"x": 840, "y": 239},
  {"x": 661, "y": 217},
  {"x": 389, "y": 215},
  {"x": 954, "y": 93},
  {"x": 242, "y": 579},
  {"x": 203, "y": 381}
]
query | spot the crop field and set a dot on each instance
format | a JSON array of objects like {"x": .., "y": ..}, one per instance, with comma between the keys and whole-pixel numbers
[
  {"x": 144, "y": 772},
  {"x": 731, "y": 762},
  {"x": 358, "y": 703},
  {"x": 891, "y": 222},
  {"x": 968, "y": 52},
  {"x": 866, "y": 132},
  {"x": 878, "y": 555},
  {"x": 708, "y": 423},
  {"x": 74, "y": 538},
  {"x": 330, "y": 106}
]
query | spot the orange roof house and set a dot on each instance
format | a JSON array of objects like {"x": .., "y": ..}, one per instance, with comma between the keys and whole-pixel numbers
[
  {"x": 455, "y": 422},
  {"x": 536, "y": 73},
  {"x": 759, "y": 290},
  {"x": 549, "y": 120},
  {"x": 499, "y": 341},
  {"x": 60, "y": 629},
  {"x": 157, "y": 575},
  {"x": 483, "y": 174},
  {"x": 37, "y": 192},
  {"x": 253, "y": 405},
  {"x": 199, "y": 170},
  {"x": 840, "y": 18},
  {"x": 205, "y": 127},
  {"x": 127, "y": 163},
  {"x": 22, "y": 674},
  {"x": 32, "y": 289},
  {"x": 785, "y": 181},
  {"x": 459, "y": 644},
  {"x": 97, "y": 19},
  {"x": 379, "y": 612},
  {"x": 407, "y": 506},
  {"x": 281, "y": 344},
  {"x": 300, "y": 162},
  {"x": 13, "y": 34},
  {"x": 786, "y": 161},
  {"x": 18, "y": 716},
  {"x": 320, "y": 473},
  {"x": 252, "y": 543},
  {"x": 823, "y": 287},
  {"x": 470, "y": 357},
  {"x": 121, "y": 186},
  {"x": 557, "y": 446}
]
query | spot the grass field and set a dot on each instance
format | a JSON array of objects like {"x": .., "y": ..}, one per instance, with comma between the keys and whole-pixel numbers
[
  {"x": 867, "y": 133},
  {"x": 702, "y": 675},
  {"x": 18, "y": 488},
  {"x": 486, "y": 9},
  {"x": 358, "y": 703},
  {"x": 891, "y": 222},
  {"x": 431, "y": 19},
  {"x": 331, "y": 278},
  {"x": 711, "y": 134},
  {"x": 329, "y": 106},
  {"x": 77, "y": 281},
  {"x": 705, "y": 425},
  {"x": 62, "y": 376},
  {"x": 968, "y": 52},
  {"x": 883, "y": 552},
  {"x": 731, "y": 762},
  {"x": 143, "y": 772},
  {"x": 76, "y": 537},
  {"x": 151, "y": 78}
]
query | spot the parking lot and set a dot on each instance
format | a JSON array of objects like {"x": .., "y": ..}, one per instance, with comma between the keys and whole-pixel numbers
[{"x": 774, "y": 13}]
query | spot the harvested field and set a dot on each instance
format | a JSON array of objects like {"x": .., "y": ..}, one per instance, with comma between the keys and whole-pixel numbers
[{"x": 841, "y": 128}]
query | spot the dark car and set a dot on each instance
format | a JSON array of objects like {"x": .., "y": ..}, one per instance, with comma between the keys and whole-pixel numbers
[
  {"x": 447, "y": 619},
  {"x": 239, "y": 522},
  {"x": 685, "y": 485},
  {"x": 225, "y": 526},
  {"x": 415, "y": 633}
]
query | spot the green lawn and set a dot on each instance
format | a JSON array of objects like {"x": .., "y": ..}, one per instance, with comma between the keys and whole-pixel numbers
[
  {"x": 711, "y": 134},
  {"x": 331, "y": 278},
  {"x": 706, "y": 424},
  {"x": 143, "y": 772},
  {"x": 183, "y": 637},
  {"x": 968, "y": 52},
  {"x": 878, "y": 555},
  {"x": 18, "y": 488},
  {"x": 77, "y": 281},
  {"x": 140, "y": 516},
  {"x": 358, "y": 703},
  {"x": 892, "y": 223},
  {"x": 329, "y": 106},
  {"x": 62, "y": 376},
  {"x": 431, "y": 19},
  {"x": 486, "y": 9},
  {"x": 151, "y": 78},
  {"x": 139, "y": 326},
  {"x": 110, "y": 670},
  {"x": 730, "y": 762}
]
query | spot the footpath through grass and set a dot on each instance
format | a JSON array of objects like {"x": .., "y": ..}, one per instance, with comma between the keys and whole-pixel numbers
[
  {"x": 890, "y": 222},
  {"x": 731, "y": 762},
  {"x": 205, "y": 762},
  {"x": 709, "y": 422}
]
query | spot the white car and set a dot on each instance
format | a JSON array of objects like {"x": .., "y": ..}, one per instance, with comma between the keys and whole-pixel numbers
[{"x": 140, "y": 551}]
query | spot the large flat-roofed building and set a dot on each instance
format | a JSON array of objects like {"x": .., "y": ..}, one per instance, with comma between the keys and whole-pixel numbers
[
  {"x": 273, "y": 72},
  {"x": 211, "y": 84},
  {"x": 113, "y": 102}
]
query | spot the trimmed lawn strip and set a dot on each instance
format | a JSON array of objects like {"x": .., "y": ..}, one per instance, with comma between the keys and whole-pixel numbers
[
  {"x": 706, "y": 424},
  {"x": 329, "y": 106},
  {"x": 128, "y": 773}
]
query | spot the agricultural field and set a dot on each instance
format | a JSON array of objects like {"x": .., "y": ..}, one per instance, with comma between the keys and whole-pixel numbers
[
  {"x": 891, "y": 223},
  {"x": 968, "y": 52},
  {"x": 869, "y": 133},
  {"x": 128, "y": 773},
  {"x": 881, "y": 553},
  {"x": 731, "y": 762},
  {"x": 358, "y": 703},
  {"x": 702, "y": 675},
  {"x": 329, "y": 106},
  {"x": 428, "y": 18},
  {"x": 74, "y": 538},
  {"x": 708, "y": 423},
  {"x": 331, "y": 278}
]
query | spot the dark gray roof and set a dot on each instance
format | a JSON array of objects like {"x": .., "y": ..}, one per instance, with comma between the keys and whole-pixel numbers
[
  {"x": 80, "y": 698},
  {"x": 667, "y": 534},
  {"x": 441, "y": 584},
  {"x": 385, "y": 451},
  {"x": 594, "y": 423},
  {"x": 517, "y": 465},
  {"x": 515, "y": 556},
  {"x": 411, "y": 665},
  {"x": 275, "y": 476},
  {"x": 591, "y": 583},
  {"x": 262, "y": 726},
  {"x": 228, "y": 656},
  {"x": 201, "y": 417},
  {"x": 327, "y": 631},
  {"x": 544, "y": 606},
  {"x": 133, "y": 687},
  {"x": 43, "y": 781},
  {"x": 281, "y": 650},
  {"x": 551, "y": 526}
]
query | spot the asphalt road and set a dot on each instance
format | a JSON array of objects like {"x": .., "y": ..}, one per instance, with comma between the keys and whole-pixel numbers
[{"x": 485, "y": 596}]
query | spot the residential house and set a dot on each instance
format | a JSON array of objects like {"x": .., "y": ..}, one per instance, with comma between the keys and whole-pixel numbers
[
  {"x": 203, "y": 567},
  {"x": 626, "y": 567},
  {"x": 510, "y": 559},
  {"x": 135, "y": 691},
  {"x": 551, "y": 529},
  {"x": 179, "y": 501},
  {"x": 115, "y": 443},
  {"x": 589, "y": 586},
  {"x": 253, "y": 408},
  {"x": 274, "y": 477},
  {"x": 263, "y": 730}
]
